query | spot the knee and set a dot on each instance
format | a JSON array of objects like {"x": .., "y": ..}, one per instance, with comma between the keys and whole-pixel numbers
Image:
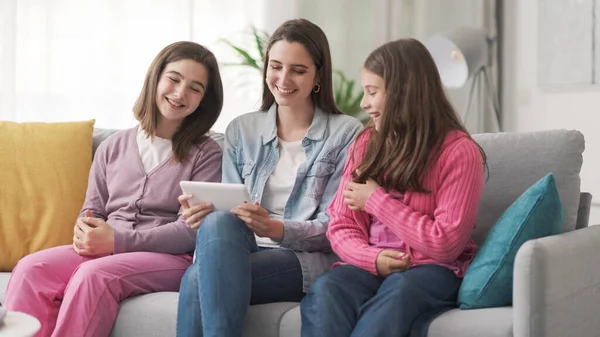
[
  {"x": 33, "y": 265},
  {"x": 220, "y": 225},
  {"x": 326, "y": 286},
  {"x": 190, "y": 278}
]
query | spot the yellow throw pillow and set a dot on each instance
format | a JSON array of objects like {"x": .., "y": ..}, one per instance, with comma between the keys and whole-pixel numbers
[{"x": 44, "y": 170}]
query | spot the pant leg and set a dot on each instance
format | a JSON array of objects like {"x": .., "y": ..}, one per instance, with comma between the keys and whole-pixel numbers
[
  {"x": 92, "y": 296},
  {"x": 223, "y": 247},
  {"x": 403, "y": 297},
  {"x": 189, "y": 315},
  {"x": 38, "y": 282},
  {"x": 276, "y": 276},
  {"x": 331, "y": 307}
]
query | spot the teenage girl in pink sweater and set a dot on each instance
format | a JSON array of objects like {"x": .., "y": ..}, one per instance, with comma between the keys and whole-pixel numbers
[{"x": 402, "y": 217}]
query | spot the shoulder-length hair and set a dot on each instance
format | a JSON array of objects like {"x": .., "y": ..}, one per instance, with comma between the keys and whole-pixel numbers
[
  {"x": 194, "y": 128},
  {"x": 415, "y": 121}
]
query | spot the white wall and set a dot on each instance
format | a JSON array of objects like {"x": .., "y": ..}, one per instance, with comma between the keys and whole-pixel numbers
[{"x": 527, "y": 107}]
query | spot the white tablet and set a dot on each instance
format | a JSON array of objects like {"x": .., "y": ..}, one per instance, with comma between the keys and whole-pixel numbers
[{"x": 223, "y": 196}]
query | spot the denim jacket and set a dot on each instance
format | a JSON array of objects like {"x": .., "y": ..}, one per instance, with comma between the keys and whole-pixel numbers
[{"x": 250, "y": 155}]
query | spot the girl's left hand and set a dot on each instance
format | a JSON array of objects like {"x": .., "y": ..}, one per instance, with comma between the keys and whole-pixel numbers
[
  {"x": 356, "y": 195},
  {"x": 257, "y": 219},
  {"x": 93, "y": 237}
]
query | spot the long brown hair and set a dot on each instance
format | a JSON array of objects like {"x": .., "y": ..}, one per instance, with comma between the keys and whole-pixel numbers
[
  {"x": 314, "y": 40},
  {"x": 194, "y": 127},
  {"x": 416, "y": 118}
]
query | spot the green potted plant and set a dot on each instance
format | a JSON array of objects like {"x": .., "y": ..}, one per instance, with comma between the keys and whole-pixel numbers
[{"x": 346, "y": 93}]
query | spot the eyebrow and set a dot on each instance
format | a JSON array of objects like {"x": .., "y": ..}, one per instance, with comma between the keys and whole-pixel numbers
[
  {"x": 178, "y": 74},
  {"x": 293, "y": 65},
  {"x": 371, "y": 86}
]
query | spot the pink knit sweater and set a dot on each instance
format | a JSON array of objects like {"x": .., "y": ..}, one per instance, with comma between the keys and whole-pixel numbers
[{"x": 432, "y": 228}]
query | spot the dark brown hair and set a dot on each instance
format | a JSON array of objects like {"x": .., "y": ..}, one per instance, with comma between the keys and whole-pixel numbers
[
  {"x": 194, "y": 128},
  {"x": 314, "y": 40},
  {"x": 416, "y": 118}
]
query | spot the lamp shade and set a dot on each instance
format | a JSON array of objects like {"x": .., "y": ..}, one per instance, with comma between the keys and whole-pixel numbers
[{"x": 458, "y": 54}]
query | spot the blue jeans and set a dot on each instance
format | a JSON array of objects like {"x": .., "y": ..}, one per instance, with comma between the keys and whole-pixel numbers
[
  {"x": 349, "y": 301},
  {"x": 229, "y": 273}
]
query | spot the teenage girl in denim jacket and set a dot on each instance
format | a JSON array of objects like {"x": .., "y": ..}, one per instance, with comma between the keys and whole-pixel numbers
[{"x": 290, "y": 155}]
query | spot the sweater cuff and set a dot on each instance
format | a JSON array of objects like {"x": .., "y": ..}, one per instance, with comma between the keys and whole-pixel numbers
[
  {"x": 370, "y": 260},
  {"x": 375, "y": 200},
  {"x": 120, "y": 242}
]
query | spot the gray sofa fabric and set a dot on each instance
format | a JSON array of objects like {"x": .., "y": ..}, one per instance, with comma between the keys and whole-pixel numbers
[{"x": 557, "y": 279}]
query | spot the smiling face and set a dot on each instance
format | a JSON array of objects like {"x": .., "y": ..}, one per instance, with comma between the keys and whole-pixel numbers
[
  {"x": 180, "y": 90},
  {"x": 291, "y": 74},
  {"x": 373, "y": 101}
]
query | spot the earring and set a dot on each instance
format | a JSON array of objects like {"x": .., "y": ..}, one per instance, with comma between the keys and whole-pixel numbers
[{"x": 317, "y": 88}]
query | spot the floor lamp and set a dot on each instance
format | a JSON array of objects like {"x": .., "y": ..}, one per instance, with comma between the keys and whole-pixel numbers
[{"x": 461, "y": 55}]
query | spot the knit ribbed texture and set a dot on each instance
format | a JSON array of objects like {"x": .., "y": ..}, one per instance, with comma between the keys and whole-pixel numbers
[{"x": 433, "y": 228}]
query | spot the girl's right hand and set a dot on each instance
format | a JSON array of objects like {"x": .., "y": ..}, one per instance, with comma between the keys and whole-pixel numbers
[
  {"x": 391, "y": 261},
  {"x": 194, "y": 215}
]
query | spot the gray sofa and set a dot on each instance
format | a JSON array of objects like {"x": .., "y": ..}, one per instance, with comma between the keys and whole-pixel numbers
[{"x": 556, "y": 279}]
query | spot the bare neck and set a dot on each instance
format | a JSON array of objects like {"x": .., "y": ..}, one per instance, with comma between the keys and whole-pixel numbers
[
  {"x": 293, "y": 123},
  {"x": 166, "y": 129}
]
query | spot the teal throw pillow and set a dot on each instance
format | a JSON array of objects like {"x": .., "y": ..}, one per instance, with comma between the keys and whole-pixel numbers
[{"x": 538, "y": 212}]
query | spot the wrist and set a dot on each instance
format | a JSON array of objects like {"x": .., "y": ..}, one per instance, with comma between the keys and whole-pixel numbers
[{"x": 276, "y": 230}]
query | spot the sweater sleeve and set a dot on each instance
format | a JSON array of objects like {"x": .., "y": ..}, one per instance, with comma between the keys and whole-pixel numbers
[
  {"x": 175, "y": 237},
  {"x": 310, "y": 235},
  {"x": 460, "y": 183},
  {"x": 348, "y": 230},
  {"x": 96, "y": 195}
]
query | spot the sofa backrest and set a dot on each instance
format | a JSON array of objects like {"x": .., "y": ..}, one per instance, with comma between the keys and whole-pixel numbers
[
  {"x": 516, "y": 160},
  {"x": 101, "y": 134}
]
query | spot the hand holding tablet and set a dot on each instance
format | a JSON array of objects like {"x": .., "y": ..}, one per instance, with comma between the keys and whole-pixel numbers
[{"x": 222, "y": 196}]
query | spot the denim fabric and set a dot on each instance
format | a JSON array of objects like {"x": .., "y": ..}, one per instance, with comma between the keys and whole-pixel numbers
[
  {"x": 213, "y": 298},
  {"x": 349, "y": 301},
  {"x": 250, "y": 156}
]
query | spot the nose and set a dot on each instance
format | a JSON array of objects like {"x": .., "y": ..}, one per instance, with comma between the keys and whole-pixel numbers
[
  {"x": 363, "y": 103},
  {"x": 285, "y": 75},
  {"x": 179, "y": 91}
]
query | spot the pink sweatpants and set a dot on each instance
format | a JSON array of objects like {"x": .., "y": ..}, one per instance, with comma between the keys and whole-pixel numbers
[{"x": 73, "y": 295}]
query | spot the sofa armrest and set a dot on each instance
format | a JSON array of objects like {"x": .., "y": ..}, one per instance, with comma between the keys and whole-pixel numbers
[{"x": 556, "y": 285}]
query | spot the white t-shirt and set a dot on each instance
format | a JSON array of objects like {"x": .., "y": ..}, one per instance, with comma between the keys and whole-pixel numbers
[
  {"x": 281, "y": 182},
  {"x": 153, "y": 151}
]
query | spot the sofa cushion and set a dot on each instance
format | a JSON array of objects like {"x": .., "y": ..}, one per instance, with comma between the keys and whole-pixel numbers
[
  {"x": 45, "y": 168},
  {"x": 493, "y": 322},
  {"x": 516, "y": 160},
  {"x": 536, "y": 213},
  {"x": 155, "y": 314}
]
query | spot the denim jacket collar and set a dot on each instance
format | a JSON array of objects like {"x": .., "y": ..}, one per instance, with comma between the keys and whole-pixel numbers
[{"x": 315, "y": 132}]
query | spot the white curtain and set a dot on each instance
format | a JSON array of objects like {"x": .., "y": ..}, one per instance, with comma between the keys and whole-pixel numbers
[{"x": 63, "y": 60}]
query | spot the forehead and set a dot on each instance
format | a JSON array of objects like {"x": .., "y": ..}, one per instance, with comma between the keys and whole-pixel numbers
[
  {"x": 189, "y": 69},
  {"x": 369, "y": 78},
  {"x": 290, "y": 53}
]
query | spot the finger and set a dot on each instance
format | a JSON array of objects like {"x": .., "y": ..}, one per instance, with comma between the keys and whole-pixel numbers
[
  {"x": 94, "y": 222},
  {"x": 183, "y": 200},
  {"x": 353, "y": 208},
  {"x": 253, "y": 208},
  {"x": 199, "y": 208},
  {"x": 394, "y": 254},
  {"x": 79, "y": 233},
  {"x": 398, "y": 264},
  {"x": 199, "y": 217},
  {"x": 82, "y": 225},
  {"x": 350, "y": 185},
  {"x": 347, "y": 193}
]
